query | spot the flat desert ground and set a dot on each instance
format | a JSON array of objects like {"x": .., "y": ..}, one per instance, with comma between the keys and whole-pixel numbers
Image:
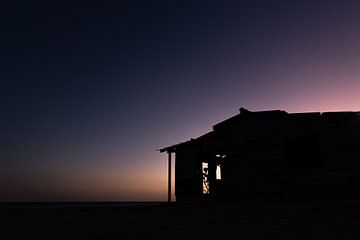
[{"x": 326, "y": 220}]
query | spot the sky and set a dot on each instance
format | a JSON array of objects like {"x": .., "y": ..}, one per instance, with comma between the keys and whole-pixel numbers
[{"x": 90, "y": 91}]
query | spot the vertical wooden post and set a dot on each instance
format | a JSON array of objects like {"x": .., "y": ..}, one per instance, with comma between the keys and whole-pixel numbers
[{"x": 169, "y": 176}]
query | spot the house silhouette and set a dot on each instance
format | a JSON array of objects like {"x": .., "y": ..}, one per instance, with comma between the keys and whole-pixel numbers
[{"x": 270, "y": 155}]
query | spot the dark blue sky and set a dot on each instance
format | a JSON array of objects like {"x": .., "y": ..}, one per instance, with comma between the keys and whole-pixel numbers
[{"x": 90, "y": 91}]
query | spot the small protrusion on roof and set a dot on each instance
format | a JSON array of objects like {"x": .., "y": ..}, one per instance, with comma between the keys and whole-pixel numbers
[{"x": 243, "y": 110}]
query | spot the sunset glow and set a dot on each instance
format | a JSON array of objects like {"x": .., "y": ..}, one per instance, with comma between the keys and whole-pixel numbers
[{"x": 90, "y": 93}]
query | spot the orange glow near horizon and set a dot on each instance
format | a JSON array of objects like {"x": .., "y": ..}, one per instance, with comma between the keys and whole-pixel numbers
[{"x": 86, "y": 103}]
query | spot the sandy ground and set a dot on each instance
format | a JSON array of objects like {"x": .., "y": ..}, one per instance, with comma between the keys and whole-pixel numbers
[{"x": 332, "y": 220}]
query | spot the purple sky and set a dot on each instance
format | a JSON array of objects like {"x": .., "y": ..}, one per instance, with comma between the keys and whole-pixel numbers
[{"x": 89, "y": 92}]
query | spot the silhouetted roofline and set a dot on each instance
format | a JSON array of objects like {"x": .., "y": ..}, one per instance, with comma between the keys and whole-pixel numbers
[
  {"x": 191, "y": 141},
  {"x": 245, "y": 114}
]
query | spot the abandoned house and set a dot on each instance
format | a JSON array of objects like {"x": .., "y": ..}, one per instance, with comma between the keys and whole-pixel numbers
[{"x": 270, "y": 155}]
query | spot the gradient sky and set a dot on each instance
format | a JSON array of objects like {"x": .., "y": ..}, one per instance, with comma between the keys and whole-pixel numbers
[{"x": 89, "y": 91}]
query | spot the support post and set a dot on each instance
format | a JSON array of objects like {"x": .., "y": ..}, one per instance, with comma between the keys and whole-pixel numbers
[{"x": 169, "y": 176}]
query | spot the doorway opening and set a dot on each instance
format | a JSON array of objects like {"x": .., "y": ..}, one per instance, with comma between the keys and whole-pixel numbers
[{"x": 205, "y": 176}]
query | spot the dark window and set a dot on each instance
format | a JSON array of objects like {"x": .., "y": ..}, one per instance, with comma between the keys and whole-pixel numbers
[{"x": 303, "y": 152}]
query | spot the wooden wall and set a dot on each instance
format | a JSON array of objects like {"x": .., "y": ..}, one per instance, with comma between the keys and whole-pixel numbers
[
  {"x": 298, "y": 156},
  {"x": 188, "y": 174}
]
